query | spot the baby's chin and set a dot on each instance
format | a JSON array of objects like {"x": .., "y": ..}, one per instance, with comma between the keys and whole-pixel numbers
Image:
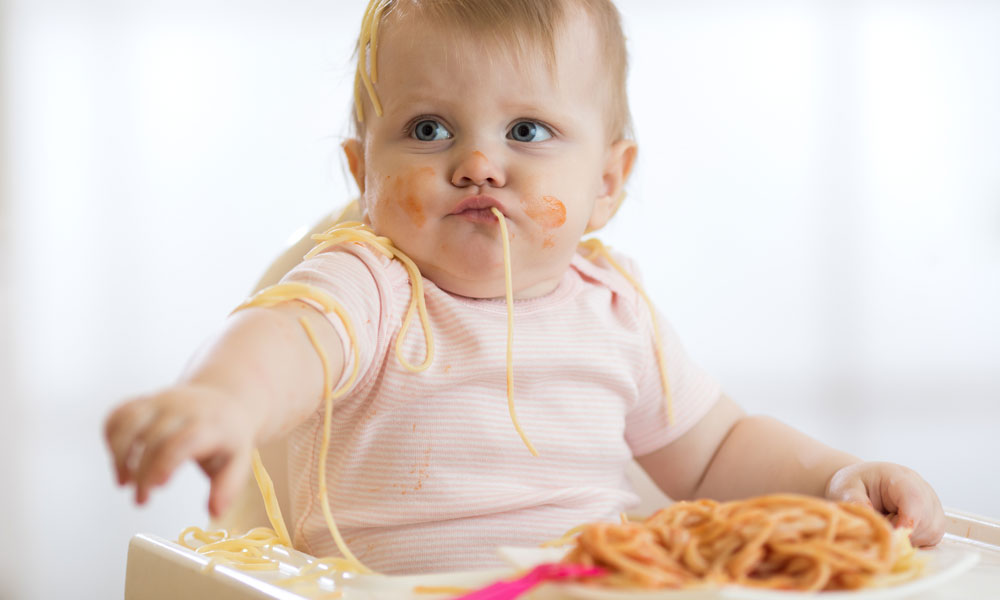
[
  {"x": 480, "y": 287},
  {"x": 489, "y": 286},
  {"x": 478, "y": 272}
]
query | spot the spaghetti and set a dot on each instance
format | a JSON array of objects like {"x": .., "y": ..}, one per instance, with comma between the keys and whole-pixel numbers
[
  {"x": 246, "y": 551},
  {"x": 510, "y": 330},
  {"x": 781, "y": 541},
  {"x": 367, "y": 71},
  {"x": 281, "y": 293},
  {"x": 357, "y": 232}
]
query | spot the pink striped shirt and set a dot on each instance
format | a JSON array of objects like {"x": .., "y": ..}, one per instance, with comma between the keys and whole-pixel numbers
[{"x": 426, "y": 471}]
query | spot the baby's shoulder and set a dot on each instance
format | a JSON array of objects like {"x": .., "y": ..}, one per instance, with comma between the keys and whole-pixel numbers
[
  {"x": 353, "y": 263},
  {"x": 604, "y": 268}
]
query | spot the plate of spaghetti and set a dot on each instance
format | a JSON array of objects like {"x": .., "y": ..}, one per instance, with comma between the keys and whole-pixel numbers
[{"x": 780, "y": 546}]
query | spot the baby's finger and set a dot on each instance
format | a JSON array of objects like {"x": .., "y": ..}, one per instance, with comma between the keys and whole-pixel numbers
[
  {"x": 121, "y": 430},
  {"x": 155, "y": 438},
  {"x": 845, "y": 487},
  {"x": 918, "y": 508},
  {"x": 184, "y": 443},
  {"x": 930, "y": 532},
  {"x": 227, "y": 481}
]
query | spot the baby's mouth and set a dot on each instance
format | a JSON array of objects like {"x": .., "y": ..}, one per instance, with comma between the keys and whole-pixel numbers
[
  {"x": 478, "y": 215},
  {"x": 478, "y": 209}
]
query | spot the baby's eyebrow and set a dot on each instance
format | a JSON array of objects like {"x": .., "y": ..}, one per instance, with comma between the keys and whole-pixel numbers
[
  {"x": 418, "y": 98},
  {"x": 528, "y": 107},
  {"x": 422, "y": 97}
]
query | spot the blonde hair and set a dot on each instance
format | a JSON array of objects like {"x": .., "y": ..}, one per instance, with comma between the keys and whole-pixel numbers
[{"x": 520, "y": 26}]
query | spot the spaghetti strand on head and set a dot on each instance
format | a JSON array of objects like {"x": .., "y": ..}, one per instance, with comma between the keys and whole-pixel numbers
[{"x": 367, "y": 70}]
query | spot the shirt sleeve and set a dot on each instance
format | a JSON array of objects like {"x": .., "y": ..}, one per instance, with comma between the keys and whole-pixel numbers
[
  {"x": 355, "y": 277},
  {"x": 692, "y": 390}
]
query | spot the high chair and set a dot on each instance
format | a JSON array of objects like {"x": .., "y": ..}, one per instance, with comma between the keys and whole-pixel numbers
[{"x": 248, "y": 511}]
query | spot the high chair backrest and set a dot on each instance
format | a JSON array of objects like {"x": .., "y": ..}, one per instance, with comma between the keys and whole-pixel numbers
[{"x": 248, "y": 512}]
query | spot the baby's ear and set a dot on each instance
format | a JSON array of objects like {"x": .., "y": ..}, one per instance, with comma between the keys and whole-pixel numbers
[
  {"x": 355, "y": 153},
  {"x": 617, "y": 167}
]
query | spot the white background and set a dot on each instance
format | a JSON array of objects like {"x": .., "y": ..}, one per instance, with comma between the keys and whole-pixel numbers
[{"x": 816, "y": 208}]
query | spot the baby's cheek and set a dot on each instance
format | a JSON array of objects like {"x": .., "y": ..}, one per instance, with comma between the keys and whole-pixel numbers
[
  {"x": 548, "y": 212},
  {"x": 404, "y": 192}
]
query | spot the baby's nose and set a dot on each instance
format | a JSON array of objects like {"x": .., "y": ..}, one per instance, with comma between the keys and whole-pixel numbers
[{"x": 475, "y": 168}]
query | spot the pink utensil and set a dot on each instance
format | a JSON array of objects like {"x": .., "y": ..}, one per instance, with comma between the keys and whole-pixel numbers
[{"x": 513, "y": 588}]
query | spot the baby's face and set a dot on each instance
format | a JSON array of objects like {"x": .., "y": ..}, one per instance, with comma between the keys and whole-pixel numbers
[{"x": 466, "y": 127}]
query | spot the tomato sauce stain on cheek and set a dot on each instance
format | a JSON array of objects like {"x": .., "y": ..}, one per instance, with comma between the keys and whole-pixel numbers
[
  {"x": 411, "y": 205},
  {"x": 407, "y": 190},
  {"x": 547, "y": 211}
]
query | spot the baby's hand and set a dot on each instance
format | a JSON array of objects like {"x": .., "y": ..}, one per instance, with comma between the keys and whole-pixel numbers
[
  {"x": 894, "y": 490},
  {"x": 150, "y": 436}
]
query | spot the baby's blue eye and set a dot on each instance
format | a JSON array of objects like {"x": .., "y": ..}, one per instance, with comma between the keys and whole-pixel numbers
[
  {"x": 430, "y": 130},
  {"x": 529, "y": 131}
]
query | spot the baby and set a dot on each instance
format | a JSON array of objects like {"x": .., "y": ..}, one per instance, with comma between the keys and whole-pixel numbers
[{"x": 472, "y": 115}]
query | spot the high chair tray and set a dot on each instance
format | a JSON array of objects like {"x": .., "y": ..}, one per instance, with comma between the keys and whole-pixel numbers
[{"x": 159, "y": 569}]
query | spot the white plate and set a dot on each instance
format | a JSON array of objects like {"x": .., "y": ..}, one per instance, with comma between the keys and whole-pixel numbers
[{"x": 942, "y": 564}]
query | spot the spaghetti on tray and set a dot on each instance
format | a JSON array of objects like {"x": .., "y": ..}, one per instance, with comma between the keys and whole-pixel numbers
[{"x": 781, "y": 541}]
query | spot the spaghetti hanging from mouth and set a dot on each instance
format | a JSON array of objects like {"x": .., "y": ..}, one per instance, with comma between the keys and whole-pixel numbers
[{"x": 508, "y": 282}]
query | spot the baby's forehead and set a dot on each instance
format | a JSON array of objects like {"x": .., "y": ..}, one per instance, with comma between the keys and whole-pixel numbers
[
  {"x": 581, "y": 36},
  {"x": 516, "y": 35}
]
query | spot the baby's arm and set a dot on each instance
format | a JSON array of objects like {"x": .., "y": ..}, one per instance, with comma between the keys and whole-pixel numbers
[
  {"x": 254, "y": 382},
  {"x": 729, "y": 455}
]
